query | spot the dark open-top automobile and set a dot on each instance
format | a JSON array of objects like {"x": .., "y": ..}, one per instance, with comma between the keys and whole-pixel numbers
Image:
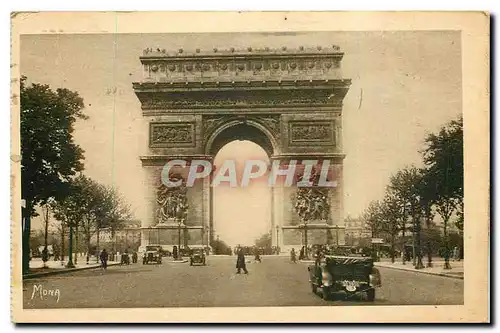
[
  {"x": 153, "y": 254},
  {"x": 349, "y": 274},
  {"x": 197, "y": 256}
]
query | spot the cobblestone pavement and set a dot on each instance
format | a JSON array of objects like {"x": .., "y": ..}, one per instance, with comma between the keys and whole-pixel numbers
[{"x": 274, "y": 282}]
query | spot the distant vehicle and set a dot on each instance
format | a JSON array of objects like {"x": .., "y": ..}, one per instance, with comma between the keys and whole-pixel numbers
[
  {"x": 352, "y": 275},
  {"x": 153, "y": 254},
  {"x": 197, "y": 256}
]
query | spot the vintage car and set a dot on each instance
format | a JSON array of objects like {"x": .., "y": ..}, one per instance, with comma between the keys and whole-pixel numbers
[
  {"x": 197, "y": 256},
  {"x": 152, "y": 255},
  {"x": 353, "y": 275}
]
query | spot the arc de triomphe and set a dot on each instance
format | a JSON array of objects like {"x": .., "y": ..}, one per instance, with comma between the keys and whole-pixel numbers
[{"x": 287, "y": 101}]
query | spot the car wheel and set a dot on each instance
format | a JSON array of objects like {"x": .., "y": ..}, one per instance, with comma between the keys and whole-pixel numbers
[
  {"x": 314, "y": 288},
  {"x": 326, "y": 293},
  {"x": 370, "y": 295}
]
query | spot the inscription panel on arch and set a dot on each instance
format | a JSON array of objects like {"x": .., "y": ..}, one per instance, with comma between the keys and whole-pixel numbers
[
  {"x": 172, "y": 134},
  {"x": 307, "y": 133}
]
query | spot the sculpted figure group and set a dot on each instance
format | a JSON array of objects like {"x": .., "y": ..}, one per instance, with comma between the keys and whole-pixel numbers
[{"x": 172, "y": 201}]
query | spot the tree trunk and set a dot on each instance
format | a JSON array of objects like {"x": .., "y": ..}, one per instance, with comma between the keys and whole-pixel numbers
[
  {"x": 418, "y": 226},
  {"x": 403, "y": 252},
  {"x": 113, "y": 244},
  {"x": 87, "y": 239},
  {"x": 446, "y": 244},
  {"x": 70, "y": 246},
  {"x": 392, "y": 247},
  {"x": 428, "y": 241},
  {"x": 76, "y": 245},
  {"x": 45, "y": 256},
  {"x": 97, "y": 247},
  {"x": 62, "y": 241},
  {"x": 26, "y": 237}
]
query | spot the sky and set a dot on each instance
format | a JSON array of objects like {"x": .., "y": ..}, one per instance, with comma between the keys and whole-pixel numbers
[{"x": 404, "y": 86}]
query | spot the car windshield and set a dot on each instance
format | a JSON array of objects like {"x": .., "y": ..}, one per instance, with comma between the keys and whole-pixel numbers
[{"x": 197, "y": 251}]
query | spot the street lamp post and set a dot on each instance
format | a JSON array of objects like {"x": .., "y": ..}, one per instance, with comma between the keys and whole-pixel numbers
[
  {"x": 217, "y": 251},
  {"x": 336, "y": 235},
  {"x": 306, "y": 252},
  {"x": 179, "y": 240},
  {"x": 277, "y": 237}
]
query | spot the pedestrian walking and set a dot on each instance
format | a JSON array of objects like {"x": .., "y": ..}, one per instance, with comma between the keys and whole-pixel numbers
[
  {"x": 302, "y": 253},
  {"x": 456, "y": 253},
  {"x": 104, "y": 259},
  {"x": 240, "y": 262},
  {"x": 293, "y": 256},
  {"x": 134, "y": 257},
  {"x": 257, "y": 255}
]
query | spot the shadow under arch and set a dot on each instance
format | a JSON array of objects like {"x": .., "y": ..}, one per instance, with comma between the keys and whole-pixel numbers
[{"x": 236, "y": 129}]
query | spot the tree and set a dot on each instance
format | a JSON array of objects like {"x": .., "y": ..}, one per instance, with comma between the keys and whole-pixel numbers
[
  {"x": 405, "y": 186},
  {"x": 443, "y": 157},
  {"x": 91, "y": 206},
  {"x": 70, "y": 211},
  {"x": 427, "y": 199},
  {"x": 116, "y": 212},
  {"x": 50, "y": 158},
  {"x": 264, "y": 241},
  {"x": 391, "y": 219},
  {"x": 220, "y": 247},
  {"x": 372, "y": 217}
]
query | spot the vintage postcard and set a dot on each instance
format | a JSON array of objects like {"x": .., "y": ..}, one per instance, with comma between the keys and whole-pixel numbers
[{"x": 259, "y": 167}]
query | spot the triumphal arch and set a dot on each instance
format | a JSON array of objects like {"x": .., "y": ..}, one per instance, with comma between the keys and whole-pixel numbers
[{"x": 288, "y": 101}]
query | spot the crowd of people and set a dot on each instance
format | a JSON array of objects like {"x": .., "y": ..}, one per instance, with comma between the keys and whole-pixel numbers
[{"x": 249, "y": 250}]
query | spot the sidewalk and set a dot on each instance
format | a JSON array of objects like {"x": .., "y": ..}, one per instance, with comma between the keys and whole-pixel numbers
[
  {"x": 456, "y": 271},
  {"x": 56, "y": 267}
]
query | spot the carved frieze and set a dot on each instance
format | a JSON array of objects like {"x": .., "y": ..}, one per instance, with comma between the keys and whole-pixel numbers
[
  {"x": 210, "y": 123},
  {"x": 209, "y": 65},
  {"x": 243, "y": 99},
  {"x": 166, "y": 134},
  {"x": 302, "y": 133},
  {"x": 270, "y": 122}
]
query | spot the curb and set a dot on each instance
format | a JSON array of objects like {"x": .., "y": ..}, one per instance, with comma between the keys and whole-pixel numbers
[
  {"x": 422, "y": 272},
  {"x": 62, "y": 271}
]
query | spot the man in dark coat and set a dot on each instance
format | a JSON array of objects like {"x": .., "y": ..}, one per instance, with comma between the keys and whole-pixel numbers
[
  {"x": 104, "y": 258},
  {"x": 240, "y": 262}
]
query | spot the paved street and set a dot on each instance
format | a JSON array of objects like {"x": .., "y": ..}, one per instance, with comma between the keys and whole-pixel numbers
[{"x": 274, "y": 282}]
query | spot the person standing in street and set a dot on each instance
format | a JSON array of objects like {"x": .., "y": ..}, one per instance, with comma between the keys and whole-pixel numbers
[
  {"x": 104, "y": 259},
  {"x": 293, "y": 256},
  {"x": 240, "y": 262}
]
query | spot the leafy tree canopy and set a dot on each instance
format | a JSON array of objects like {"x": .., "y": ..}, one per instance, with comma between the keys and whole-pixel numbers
[
  {"x": 444, "y": 158},
  {"x": 264, "y": 240},
  {"x": 50, "y": 158}
]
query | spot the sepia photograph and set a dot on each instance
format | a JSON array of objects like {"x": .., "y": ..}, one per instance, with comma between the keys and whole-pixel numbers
[{"x": 283, "y": 170}]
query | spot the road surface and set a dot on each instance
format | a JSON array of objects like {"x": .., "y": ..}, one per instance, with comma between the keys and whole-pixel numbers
[{"x": 274, "y": 282}]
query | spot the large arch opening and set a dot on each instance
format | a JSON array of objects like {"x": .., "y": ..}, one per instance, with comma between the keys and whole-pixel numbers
[{"x": 240, "y": 215}]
